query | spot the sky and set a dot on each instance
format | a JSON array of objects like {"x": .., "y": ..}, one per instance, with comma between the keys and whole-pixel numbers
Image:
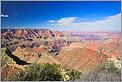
[{"x": 62, "y": 15}]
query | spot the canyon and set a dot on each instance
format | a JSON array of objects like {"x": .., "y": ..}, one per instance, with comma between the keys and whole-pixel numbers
[{"x": 77, "y": 50}]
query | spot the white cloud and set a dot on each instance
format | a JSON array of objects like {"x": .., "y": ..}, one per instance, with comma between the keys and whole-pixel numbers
[
  {"x": 3, "y": 15},
  {"x": 64, "y": 21},
  {"x": 110, "y": 23},
  {"x": 51, "y": 21}
]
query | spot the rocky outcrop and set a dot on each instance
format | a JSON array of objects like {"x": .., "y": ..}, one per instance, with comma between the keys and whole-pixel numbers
[
  {"x": 28, "y": 33},
  {"x": 78, "y": 57},
  {"x": 59, "y": 34}
]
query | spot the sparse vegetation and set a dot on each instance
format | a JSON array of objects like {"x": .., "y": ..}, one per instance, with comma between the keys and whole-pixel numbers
[
  {"x": 40, "y": 72},
  {"x": 4, "y": 58},
  {"x": 110, "y": 71}
]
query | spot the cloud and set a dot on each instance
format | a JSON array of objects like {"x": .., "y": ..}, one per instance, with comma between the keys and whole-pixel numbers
[
  {"x": 109, "y": 23},
  {"x": 64, "y": 21},
  {"x": 51, "y": 21},
  {"x": 3, "y": 15}
]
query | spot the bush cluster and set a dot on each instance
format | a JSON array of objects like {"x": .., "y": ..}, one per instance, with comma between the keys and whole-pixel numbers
[{"x": 49, "y": 72}]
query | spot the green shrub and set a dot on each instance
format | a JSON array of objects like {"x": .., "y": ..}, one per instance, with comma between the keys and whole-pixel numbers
[
  {"x": 49, "y": 72},
  {"x": 73, "y": 74},
  {"x": 42, "y": 72}
]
